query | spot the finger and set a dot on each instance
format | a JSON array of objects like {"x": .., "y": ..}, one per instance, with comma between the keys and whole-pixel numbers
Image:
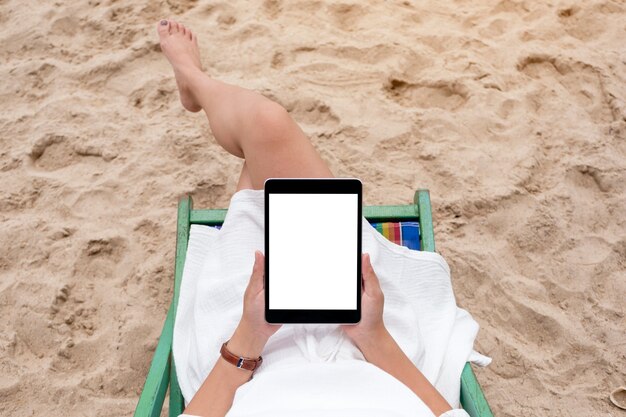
[
  {"x": 370, "y": 280},
  {"x": 258, "y": 272},
  {"x": 363, "y": 277}
]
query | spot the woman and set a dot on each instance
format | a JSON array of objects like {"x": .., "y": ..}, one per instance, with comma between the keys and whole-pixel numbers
[{"x": 254, "y": 128}]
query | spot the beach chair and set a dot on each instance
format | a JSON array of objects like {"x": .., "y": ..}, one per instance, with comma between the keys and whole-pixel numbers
[{"x": 409, "y": 225}]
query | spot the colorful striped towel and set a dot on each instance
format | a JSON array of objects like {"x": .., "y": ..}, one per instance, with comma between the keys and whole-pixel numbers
[{"x": 401, "y": 233}]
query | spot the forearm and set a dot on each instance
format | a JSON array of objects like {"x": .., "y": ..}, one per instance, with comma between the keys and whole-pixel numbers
[
  {"x": 215, "y": 396},
  {"x": 384, "y": 352}
]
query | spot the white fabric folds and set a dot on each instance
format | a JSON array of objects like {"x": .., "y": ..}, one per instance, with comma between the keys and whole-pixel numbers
[{"x": 420, "y": 313}]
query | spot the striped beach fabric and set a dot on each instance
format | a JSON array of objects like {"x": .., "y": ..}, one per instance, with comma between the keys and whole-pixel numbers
[{"x": 401, "y": 233}]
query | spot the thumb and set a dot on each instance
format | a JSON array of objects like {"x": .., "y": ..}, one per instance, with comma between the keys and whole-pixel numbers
[{"x": 258, "y": 272}]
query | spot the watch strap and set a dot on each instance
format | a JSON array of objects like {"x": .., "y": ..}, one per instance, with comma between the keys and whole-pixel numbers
[{"x": 242, "y": 362}]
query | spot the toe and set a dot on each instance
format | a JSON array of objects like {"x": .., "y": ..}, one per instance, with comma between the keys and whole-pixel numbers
[
  {"x": 163, "y": 28},
  {"x": 190, "y": 35},
  {"x": 174, "y": 27},
  {"x": 183, "y": 29}
]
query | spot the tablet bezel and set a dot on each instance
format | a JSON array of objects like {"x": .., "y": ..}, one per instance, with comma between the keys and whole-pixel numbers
[{"x": 313, "y": 186}]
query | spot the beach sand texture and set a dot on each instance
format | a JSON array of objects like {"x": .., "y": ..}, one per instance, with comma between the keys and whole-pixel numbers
[{"x": 512, "y": 113}]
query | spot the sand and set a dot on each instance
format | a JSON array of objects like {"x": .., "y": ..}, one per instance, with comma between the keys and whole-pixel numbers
[{"x": 512, "y": 113}]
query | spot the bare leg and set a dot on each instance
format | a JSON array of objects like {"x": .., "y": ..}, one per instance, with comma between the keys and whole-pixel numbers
[
  {"x": 245, "y": 182},
  {"x": 245, "y": 123}
]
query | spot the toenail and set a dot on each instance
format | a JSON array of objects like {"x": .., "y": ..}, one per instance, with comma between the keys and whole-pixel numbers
[{"x": 163, "y": 22}]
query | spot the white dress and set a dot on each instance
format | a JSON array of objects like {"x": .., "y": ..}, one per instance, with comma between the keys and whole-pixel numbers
[{"x": 315, "y": 369}]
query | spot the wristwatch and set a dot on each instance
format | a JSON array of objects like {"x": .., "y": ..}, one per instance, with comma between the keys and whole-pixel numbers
[{"x": 241, "y": 362}]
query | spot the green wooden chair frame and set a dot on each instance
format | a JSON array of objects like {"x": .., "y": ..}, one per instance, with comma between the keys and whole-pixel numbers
[{"x": 162, "y": 371}]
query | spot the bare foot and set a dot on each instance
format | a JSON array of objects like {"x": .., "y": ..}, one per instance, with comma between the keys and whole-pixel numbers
[{"x": 180, "y": 46}]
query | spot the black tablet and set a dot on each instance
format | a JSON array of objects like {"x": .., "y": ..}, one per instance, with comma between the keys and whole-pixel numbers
[{"x": 313, "y": 250}]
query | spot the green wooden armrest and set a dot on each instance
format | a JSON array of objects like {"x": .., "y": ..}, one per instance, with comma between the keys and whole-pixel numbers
[
  {"x": 158, "y": 379},
  {"x": 162, "y": 369}
]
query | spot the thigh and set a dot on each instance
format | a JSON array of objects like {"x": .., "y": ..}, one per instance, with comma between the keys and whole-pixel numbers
[
  {"x": 245, "y": 182},
  {"x": 280, "y": 149}
]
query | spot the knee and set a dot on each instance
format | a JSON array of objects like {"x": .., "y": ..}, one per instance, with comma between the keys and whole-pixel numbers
[{"x": 272, "y": 122}]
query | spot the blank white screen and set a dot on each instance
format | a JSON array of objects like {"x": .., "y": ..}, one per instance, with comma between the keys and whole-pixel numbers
[{"x": 312, "y": 248}]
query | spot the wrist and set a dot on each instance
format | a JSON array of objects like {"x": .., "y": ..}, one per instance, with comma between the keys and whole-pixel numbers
[
  {"x": 373, "y": 341},
  {"x": 245, "y": 342}
]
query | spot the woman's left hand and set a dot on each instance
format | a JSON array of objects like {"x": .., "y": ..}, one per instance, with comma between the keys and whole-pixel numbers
[{"x": 253, "y": 331}]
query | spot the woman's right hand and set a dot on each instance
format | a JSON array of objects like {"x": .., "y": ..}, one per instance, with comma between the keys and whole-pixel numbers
[
  {"x": 253, "y": 331},
  {"x": 371, "y": 326}
]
